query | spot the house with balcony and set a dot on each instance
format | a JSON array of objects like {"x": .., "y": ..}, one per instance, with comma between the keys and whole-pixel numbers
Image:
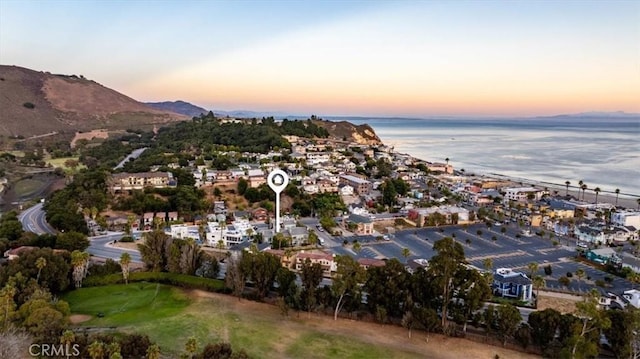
[
  {"x": 324, "y": 259},
  {"x": 363, "y": 224}
]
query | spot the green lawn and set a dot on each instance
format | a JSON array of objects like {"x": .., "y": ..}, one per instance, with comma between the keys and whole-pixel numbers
[
  {"x": 170, "y": 316},
  {"x": 127, "y": 304},
  {"x": 60, "y": 162}
]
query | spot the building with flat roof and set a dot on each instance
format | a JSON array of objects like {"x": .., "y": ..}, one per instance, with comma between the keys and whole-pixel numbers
[
  {"x": 360, "y": 186},
  {"x": 119, "y": 182}
]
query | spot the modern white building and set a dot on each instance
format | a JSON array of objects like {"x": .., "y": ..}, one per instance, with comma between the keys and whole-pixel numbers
[{"x": 521, "y": 194}]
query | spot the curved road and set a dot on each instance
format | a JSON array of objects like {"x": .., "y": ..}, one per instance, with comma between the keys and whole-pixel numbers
[{"x": 34, "y": 220}]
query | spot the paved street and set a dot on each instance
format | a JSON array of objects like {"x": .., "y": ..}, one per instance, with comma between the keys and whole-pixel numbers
[
  {"x": 99, "y": 246},
  {"x": 34, "y": 220}
]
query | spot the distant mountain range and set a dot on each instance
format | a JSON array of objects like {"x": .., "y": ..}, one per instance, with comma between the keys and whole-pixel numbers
[
  {"x": 35, "y": 103},
  {"x": 180, "y": 107}
]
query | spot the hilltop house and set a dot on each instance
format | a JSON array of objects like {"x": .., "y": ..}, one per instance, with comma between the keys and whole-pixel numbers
[{"x": 120, "y": 182}]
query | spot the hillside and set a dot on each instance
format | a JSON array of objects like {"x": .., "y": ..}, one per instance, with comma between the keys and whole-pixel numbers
[
  {"x": 35, "y": 103},
  {"x": 181, "y": 107},
  {"x": 362, "y": 134}
]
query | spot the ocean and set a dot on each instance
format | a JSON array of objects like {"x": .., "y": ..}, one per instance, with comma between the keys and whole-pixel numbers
[{"x": 603, "y": 153}]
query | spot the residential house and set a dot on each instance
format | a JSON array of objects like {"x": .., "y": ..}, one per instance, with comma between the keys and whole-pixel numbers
[
  {"x": 522, "y": 194},
  {"x": 626, "y": 218},
  {"x": 346, "y": 190},
  {"x": 366, "y": 263},
  {"x": 632, "y": 297},
  {"x": 511, "y": 284},
  {"x": 324, "y": 259},
  {"x": 361, "y": 186},
  {"x": 260, "y": 214},
  {"x": 363, "y": 224},
  {"x": 299, "y": 235},
  {"x": 120, "y": 182}
]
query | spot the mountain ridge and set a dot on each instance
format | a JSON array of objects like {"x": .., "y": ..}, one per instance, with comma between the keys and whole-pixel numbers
[{"x": 37, "y": 102}]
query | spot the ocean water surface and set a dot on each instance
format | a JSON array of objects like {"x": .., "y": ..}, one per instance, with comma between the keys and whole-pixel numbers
[{"x": 603, "y": 153}]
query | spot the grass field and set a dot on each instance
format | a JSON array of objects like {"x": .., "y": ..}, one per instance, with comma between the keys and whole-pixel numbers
[
  {"x": 27, "y": 187},
  {"x": 171, "y": 315},
  {"x": 60, "y": 162}
]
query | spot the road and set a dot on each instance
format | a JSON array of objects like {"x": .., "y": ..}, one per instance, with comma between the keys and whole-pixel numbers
[
  {"x": 34, "y": 220},
  {"x": 133, "y": 155},
  {"x": 100, "y": 246}
]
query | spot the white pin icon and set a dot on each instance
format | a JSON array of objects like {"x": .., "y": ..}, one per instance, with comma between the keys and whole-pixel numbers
[{"x": 278, "y": 181}]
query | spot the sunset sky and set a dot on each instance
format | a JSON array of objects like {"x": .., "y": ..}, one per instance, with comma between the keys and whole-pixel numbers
[{"x": 368, "y": 58}]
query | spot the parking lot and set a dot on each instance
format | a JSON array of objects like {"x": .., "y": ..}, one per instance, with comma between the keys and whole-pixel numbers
[{"x": 506, "y": 250}]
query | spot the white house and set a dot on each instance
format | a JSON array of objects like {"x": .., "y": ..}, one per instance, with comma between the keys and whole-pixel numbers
[
  {"x": 183, "y": 231},
  {"x": 626, "y": 218},
  {"x": 521, "y": 194},
  {"x": 346, "y": 190},
  {"x": 509, "y": 283}
]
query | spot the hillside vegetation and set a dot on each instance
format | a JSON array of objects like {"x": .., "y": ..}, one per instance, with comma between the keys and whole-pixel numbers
[{"x": 36, "y": 103}]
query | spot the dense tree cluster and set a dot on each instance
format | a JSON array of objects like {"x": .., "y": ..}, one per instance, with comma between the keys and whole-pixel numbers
[{"x": 162, "y": 253}]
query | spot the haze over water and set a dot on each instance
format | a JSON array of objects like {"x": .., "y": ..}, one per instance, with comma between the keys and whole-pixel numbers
[{"x": 603, "y": 153}]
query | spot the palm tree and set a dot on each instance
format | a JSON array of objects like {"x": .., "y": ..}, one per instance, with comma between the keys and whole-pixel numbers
[
  {"x": 357, "y": 247},
  {"x": 78, "y": 263},
  {"x": 40, "y": 263},
  {"x": 538, "y": 282},
  {"x": 153, "y": 352},
  {"x": 406, "y": 253},
  {"x": 638, "y": 200},
  {"x": 67, "y": 337},
  {"x": 447, "y": 160},
  {"x": 617, "y": 191},
  {"x": 96, "y": 350},
  {"x": 584, "y": 188},
  {"x": 597, "y": 190},
  {"x": 580, "y": 274},
  {"x": 487, "y": 263},
  {"x": 533, "y": 268},
  {"x": 567, "y": 183},
  {"x": 125, "y": 259}
]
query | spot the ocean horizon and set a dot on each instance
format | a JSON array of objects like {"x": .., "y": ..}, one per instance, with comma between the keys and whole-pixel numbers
[{"x": 602, "y": 152}]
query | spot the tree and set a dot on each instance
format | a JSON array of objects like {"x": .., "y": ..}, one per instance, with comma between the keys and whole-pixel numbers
[
  {"x": 234, "y": 277},
  {"x": 347, "y": 282},
  {"x": 96, "y": 350},
  {"x": 357, "y": 247},
  {"x": 508, "y": 319},
  {"x": 597, "y": 191},
  {"x": 310, "y": 276},
  {"x": 154, "y": 250},
  {"x": 406, "y": 253},
  {"x": 591, "y": 319},
  {"x": 443, "y": 268},
  {"x": 623, "y": 335},
  {"x": 538, "y": 282},
  {"x": 487, "y": 263},
  {"x": 191, "y": 347},
  {"x": 72, "y": 241},
  {"x": 261, "y": 268},
  {"x": 533, "y": 269},
  {"x": 565, "y": 281},
  {"x": 153, "y": 352},
  {"x": 472, "y": 290},
  {"x": 387, "y": 287},
  {"x": 243, "y": 185},
  {"x": 544, "y": 324},
  {"x": 580, "y": 274},
  {"x": 617, "y": 191},
  {"x": 125, "y": 260},
  {"x": 80, "y": 264},
  {"x": 567, "y": 183},
  {"x": 584, "y": 188},
  {"x": 40, "y": 264},
  {"x": 287, "y": 287}
]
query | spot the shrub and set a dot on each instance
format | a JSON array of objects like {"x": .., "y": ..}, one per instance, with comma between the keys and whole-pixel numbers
[
  {"x": 126, "y": 239},
  {"x": 29, "y": 105},
  {"x": 479, "y": 232},
  {"x": 569, "y": 274},
  {"x": 494, "y": 238},
  {"x": 548, "y": 270},
  {"x": 175, "y": 279},
  {"x": 600, "y": 283}
]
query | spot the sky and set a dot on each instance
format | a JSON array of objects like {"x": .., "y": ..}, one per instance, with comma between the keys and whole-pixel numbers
[{"x": 342, "y": 58}]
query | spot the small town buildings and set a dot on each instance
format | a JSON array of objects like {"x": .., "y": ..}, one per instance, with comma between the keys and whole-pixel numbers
[
  {"x": 360, "y": 186},
  {"x": 522, "y": 194},
  {"x": 511, "y": 284},
  {"x": 121, "y": 182},
  {"x": 366, "y": 263},
  {"x": 260, "y": 214}
]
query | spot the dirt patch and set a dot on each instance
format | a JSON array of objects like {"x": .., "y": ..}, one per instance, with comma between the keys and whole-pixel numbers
[
  {"x": 127, "y": 245},
  {"x": 79, "y": 318},
  {"x": 564, "y": 303},
  {"x": 428, "y": 345}
]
